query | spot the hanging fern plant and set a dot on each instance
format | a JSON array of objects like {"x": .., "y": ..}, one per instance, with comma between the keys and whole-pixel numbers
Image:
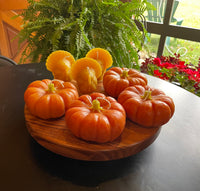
[{"x": 79, "y": 25}]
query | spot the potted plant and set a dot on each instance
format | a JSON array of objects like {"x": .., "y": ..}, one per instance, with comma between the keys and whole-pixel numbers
[{"x": 79, "y": 25}]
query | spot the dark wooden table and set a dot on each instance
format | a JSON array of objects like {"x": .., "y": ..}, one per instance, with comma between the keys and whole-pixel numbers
[{"x": 171, "y": 163}]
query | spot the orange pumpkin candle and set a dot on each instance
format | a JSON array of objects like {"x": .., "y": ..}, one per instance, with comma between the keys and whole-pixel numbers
[
  {"x": 49, "y": 98},
  {"x": 147, "y": 106},
  {"x": 116, "y": 79},
  {"x": 96, "y": 118}
]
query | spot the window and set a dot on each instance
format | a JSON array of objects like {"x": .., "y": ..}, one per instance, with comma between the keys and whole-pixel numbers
[{"x": 174, "y": 22}]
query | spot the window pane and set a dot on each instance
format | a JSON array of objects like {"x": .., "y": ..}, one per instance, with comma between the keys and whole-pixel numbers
[
  {"x": 158, "y": 14},
  {"x": 188, "y": 50},
  {"x": 150, "y": 48},
  {"x": 180, "y": 12},
  {"x": 186, "y": 13}
]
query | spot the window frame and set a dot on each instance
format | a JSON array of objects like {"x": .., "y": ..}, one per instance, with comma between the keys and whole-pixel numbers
[{"x": 166, "y": 29}]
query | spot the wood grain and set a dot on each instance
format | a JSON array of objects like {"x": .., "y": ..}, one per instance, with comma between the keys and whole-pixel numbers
[
  {"x": 10, "y": 27},
  {"x": 56, "y": 137}
]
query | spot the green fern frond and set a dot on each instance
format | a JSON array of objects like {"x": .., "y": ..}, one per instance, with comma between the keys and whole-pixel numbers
[{"x": 79, "y": 25}]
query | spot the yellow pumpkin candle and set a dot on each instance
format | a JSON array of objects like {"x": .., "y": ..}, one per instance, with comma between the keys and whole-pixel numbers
[
  {"x": 103, "y": 57},
  {"x": 85, "y": 72},
  {"x": 59, "y": 63}
]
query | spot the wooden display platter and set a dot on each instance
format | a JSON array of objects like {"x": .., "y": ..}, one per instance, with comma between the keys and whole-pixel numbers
[{"x": 56, "y": 137}]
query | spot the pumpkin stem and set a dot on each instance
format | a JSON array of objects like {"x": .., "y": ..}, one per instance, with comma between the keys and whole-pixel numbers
[
  {"x": 51, "y": 88},
  {"x": 147, "y": 95},
  {"x": 124, "y": 74},
  {"x": 96, "y": 106}
]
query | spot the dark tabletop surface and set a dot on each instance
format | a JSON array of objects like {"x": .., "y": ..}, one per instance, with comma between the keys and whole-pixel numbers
[{"x": 170, "y": 163}]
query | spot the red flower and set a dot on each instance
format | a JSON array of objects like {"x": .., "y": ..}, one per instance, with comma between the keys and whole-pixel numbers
[
  {"x": 173, "y": 69},
  {"x": 188, "y": 71},
  {"x": 157, "y": 61},
  {"x": 181, "y": 65},
  {"x": 169, "y": 65},
  {"x": 160, "y": 75},
  {"x": 157, "y": 73},
  {"x": 164, "y": 77}
]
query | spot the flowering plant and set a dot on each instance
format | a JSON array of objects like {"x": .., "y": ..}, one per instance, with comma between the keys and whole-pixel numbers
[{"x": 174, "y": 70}]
